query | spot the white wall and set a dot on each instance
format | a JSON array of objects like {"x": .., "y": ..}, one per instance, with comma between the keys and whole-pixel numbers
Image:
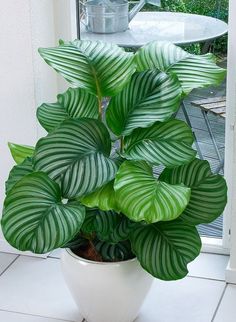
[
  {"x": 65, "y": 27},
  {"x": 26, "y": 81},
  {"x": 16, "y": 90}
]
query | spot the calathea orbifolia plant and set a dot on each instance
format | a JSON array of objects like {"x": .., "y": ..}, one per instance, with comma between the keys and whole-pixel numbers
[{"x": 90, "y": 183}]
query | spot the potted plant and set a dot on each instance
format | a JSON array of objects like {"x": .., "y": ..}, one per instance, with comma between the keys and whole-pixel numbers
[{"x": 89, "y": 185}]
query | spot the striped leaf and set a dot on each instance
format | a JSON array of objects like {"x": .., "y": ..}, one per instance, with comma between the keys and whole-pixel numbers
[
  {"x": 141, "y": 197},
  {"x": 123, "y": 229},
  {"x": 88, "y": 226},
  {"x": 74, "y": 103},
  {"x": 114, "y": 252},
  {"x": 102, "y": 69},
  {"x": 105, "y": 224},
  {"x": 76, "y": 242},
  {"x": 87, "y": 174},
  {"x": 193, "y": 71},
  {"x": 77, "y": 155},
  {"x": 149, "y": 97},
  {"x": 20, "y": 152},
  {"x": 18, "y": 172},
  {"x": 168, "y": 143},
  {"x": 112, "y": 227},
  {"x": 164, "y": 249},
  {"x": 35, "y": 219},
  {"x": 208, "y": 191},
  {"x": 103, "y": 198}
]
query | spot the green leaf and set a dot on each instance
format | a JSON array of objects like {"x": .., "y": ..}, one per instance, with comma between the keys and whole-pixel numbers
[
  {"x": 112, "y": 227},
  {"x": 142, "y": 197},
  {"x": 193, "y": 71},
  {"x": 103, "y": 198},
  {"x": 76, "y": 242},
  {"x": 208, "y": 191},
  {"x": 168, "y": 143},
  {"x": 149, "y": 97},
  {"x": 102, "y": 69},
  {"x": 18, "y": 172},
  {"x": 20, "y": 152},
  {"x": 114, "y": 252},
  {"x": 35, "y": 219},
  {"x": 74, "y": 103},
  {"x": 105, "y": 224},
  {"x": 88, "y": 226},
  {"x": 164, "y": 249},
  {"x": 123, "y": 230},
  {"x": 77, "y": 155}
]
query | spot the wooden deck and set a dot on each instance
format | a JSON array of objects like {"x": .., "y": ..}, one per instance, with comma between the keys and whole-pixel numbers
[{"x": 214, "y": 229}]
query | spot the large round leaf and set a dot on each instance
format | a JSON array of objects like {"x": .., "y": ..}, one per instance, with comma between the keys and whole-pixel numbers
[
  {"x": 142, "y": 197},
  {"x": 74, "y": 103},
  {"x": 168, "y": 143},
  {"x": 20, "y": 152},
  {"x": 208, "y": 191},
  {"x": 18, "y": 172},
  {"x": 101, "y": 68},
  {"x": 193, "y": 71},
  {"x": 77, "y": 154},
  {"x": 164, "y": 249},
  {"x": 149, "y": 97},
  {"x": 35, "y": 219}
]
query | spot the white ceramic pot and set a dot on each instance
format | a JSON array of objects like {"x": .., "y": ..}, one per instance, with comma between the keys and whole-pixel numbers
[{"x": 106, "y": 292}]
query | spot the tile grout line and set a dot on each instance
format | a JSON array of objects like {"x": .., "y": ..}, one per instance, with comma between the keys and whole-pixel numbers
[
  {"x": 206, "y": 278},
  {"x": 9, "y": 265},
  {"x": 219, "y": 303},
  {"x": 36, "y": 315}
]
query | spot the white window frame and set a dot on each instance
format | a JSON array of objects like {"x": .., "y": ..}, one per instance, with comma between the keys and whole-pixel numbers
[{"x": 230, "y": 147}]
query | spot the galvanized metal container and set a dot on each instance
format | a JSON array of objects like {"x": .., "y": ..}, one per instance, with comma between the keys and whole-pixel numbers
[{"x": 106, "y": 16}]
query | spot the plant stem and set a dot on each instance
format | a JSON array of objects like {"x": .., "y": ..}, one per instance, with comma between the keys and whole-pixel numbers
[
  {"x": 96, "y": 256},
  {"x": 100, "y": 107}
]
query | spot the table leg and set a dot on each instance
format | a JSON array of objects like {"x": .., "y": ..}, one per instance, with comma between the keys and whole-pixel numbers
[
  {"x": 206, "y": 47},
  {"x": 204, "y": 113},
  {"x": 221, "y": 166},
  {"x": 194, "y": 135}
]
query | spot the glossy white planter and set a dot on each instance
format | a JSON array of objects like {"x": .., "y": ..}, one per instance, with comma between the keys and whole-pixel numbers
[{"x": 106, "y": 292}]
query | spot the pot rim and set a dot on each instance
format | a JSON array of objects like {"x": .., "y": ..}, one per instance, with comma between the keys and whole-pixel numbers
[{"x": 69, "y": 251}]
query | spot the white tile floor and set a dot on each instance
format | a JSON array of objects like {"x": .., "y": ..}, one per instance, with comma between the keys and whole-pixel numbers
[{"x": 33, "y": 290}]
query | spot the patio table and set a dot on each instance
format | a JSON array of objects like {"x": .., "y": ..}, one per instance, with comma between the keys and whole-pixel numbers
[{"x": 178, "y": 28}]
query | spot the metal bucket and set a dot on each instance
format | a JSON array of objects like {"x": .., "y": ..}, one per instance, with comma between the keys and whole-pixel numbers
[{"x": 106, "y": 17}]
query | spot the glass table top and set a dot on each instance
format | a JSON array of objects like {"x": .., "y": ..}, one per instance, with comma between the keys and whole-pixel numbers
[{"x": 178, "y": 28}]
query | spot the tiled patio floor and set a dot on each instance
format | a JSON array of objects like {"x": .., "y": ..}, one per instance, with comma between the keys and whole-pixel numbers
[{"x": 33, "y": 290}]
